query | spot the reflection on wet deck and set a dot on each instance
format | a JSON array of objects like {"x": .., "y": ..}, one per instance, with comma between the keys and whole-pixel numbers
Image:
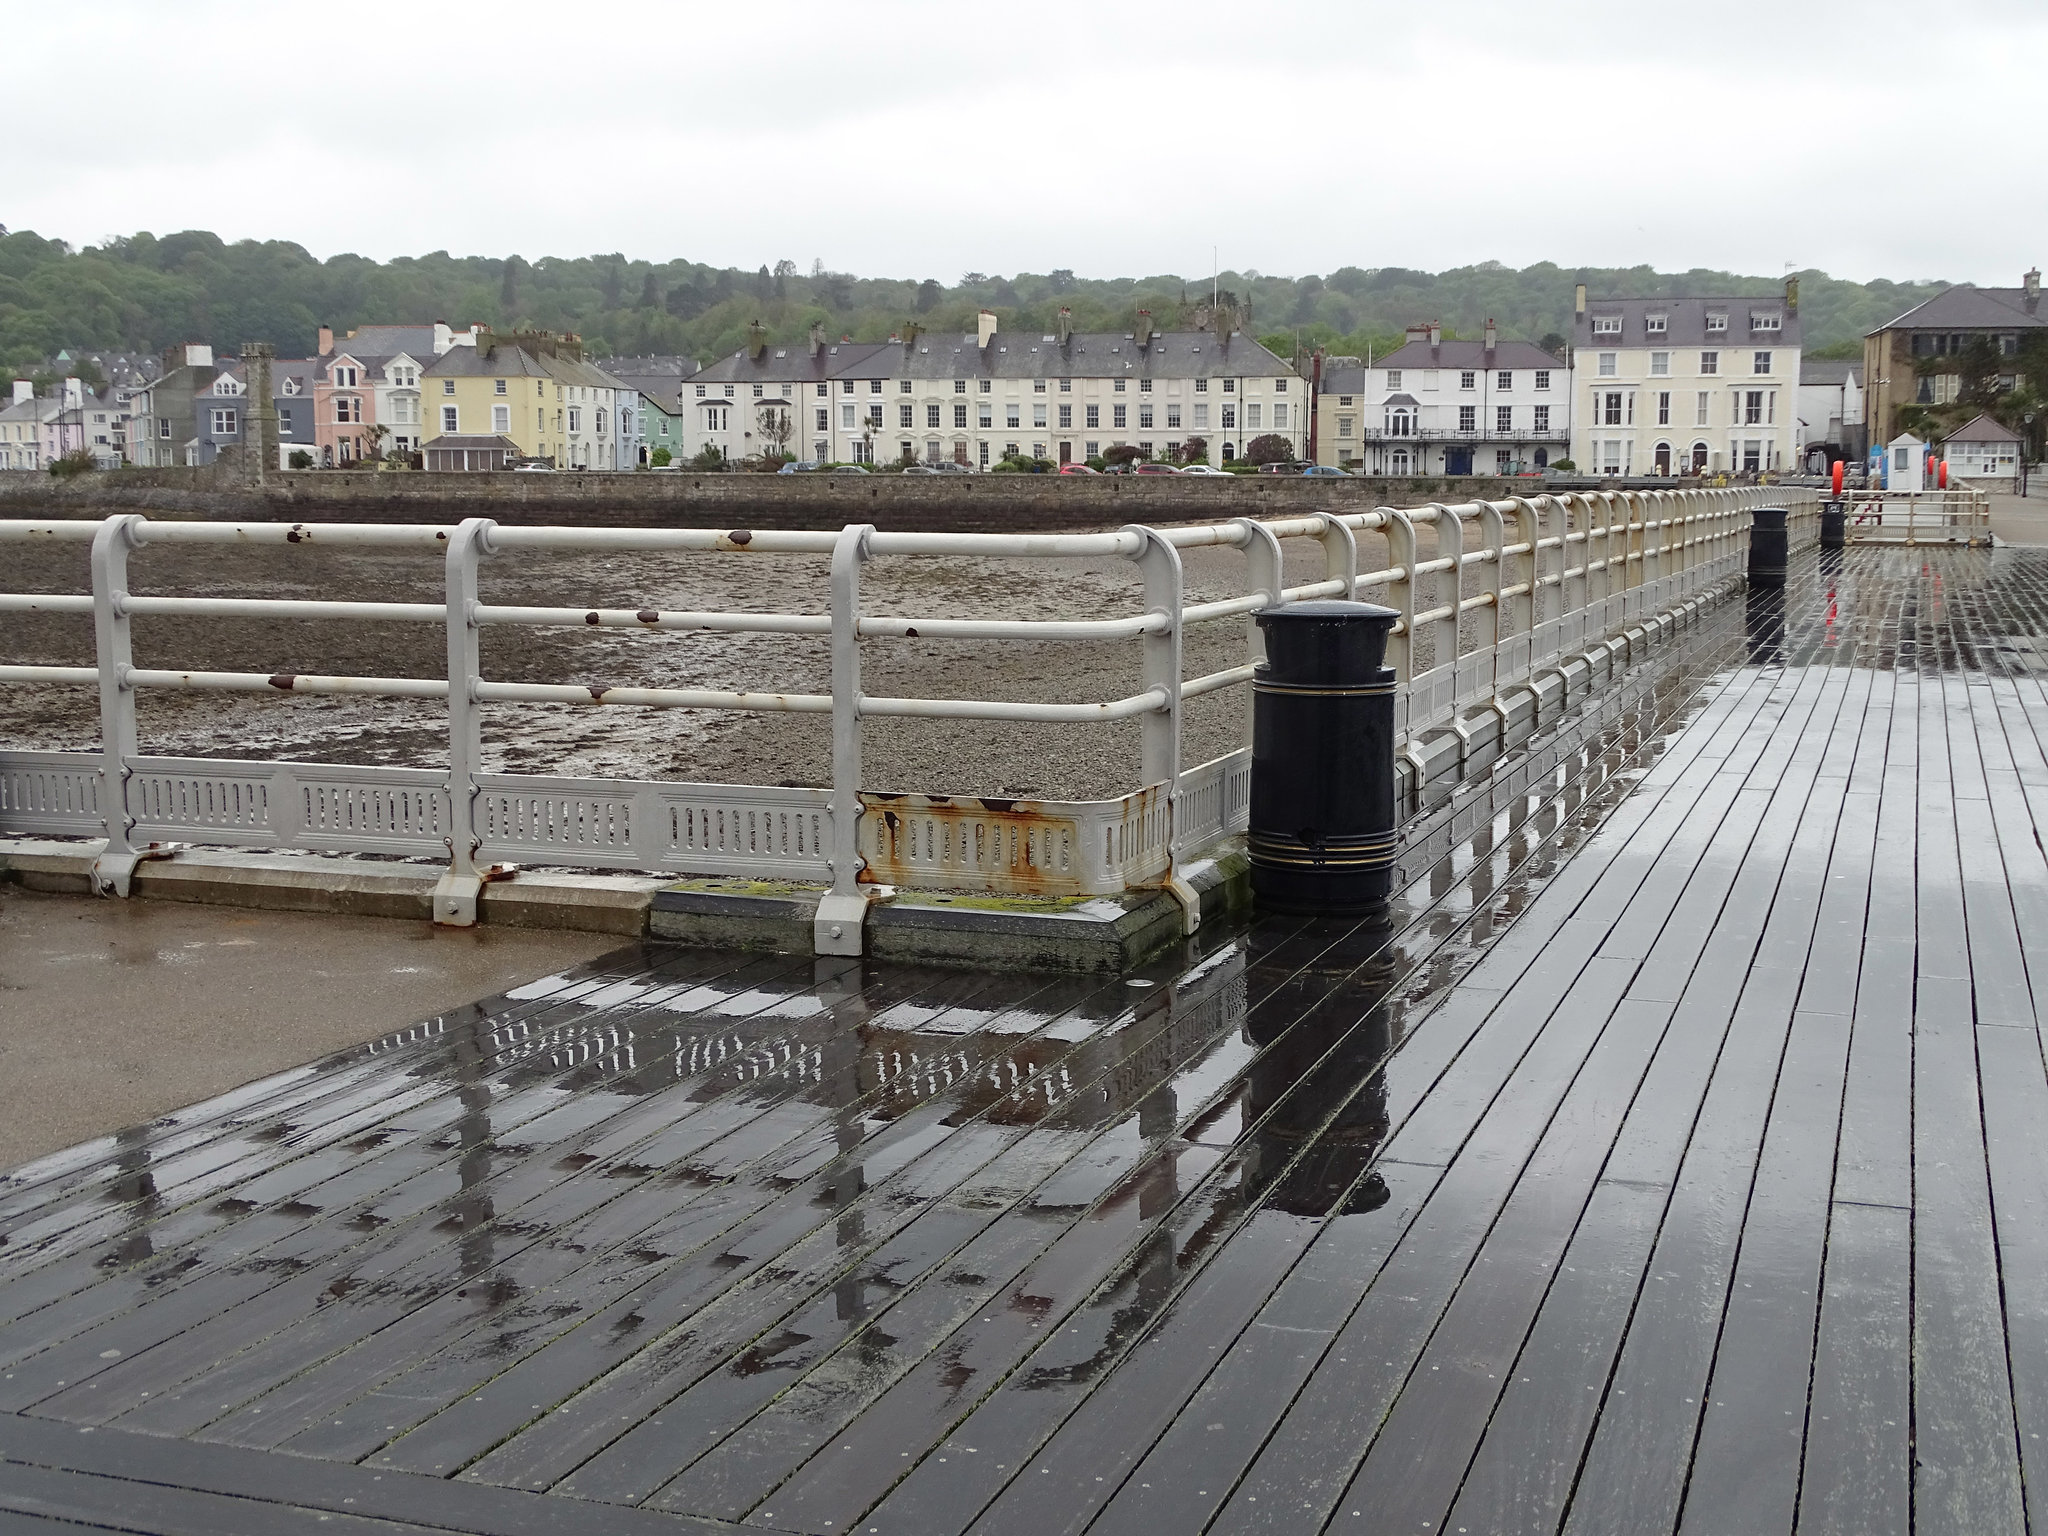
[{"x": 1690, "y": 1095}]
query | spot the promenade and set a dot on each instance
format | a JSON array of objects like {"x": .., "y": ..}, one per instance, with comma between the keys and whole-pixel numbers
[{"x": 1673, "y": 1158}]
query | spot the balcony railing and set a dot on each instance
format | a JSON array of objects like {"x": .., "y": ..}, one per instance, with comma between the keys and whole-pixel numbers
[{"x": 1553, "y": 434}]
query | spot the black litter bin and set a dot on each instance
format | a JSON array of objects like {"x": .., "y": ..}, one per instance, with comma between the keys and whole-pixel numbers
[{"x": 1321, "y": 833}]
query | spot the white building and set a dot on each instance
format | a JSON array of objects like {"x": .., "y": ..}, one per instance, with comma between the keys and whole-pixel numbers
[
  {"x": 1983, "y": 449},
  {"x": 1830, "y": 411},
  {"x": 976, "y": 399},
  {"x": 1696, "y": 385},
  {"x": 1437, "y": 407},
  {"x": 21, "y": 429}
]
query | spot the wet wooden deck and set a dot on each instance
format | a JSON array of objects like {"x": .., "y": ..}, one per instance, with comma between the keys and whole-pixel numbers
[{"x": 1675, "y": 1160}]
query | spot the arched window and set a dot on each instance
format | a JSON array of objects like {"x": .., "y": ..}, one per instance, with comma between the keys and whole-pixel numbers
[
  {"x": 1398, "y": 464},
  {"x": 1400, "y": 423},
  {"x": 1699, "y": 457}
]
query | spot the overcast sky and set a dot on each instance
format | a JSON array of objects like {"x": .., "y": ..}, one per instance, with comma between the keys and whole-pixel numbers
[{"x": 915, "y": 139}]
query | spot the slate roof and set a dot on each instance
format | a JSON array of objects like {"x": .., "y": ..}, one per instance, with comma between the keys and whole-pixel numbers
[
  {"x": 503, "y": 361},
  {"x": 367, "y": 341},
  {"x": 1467, "y": 354},
  {"x": 1009, "y": 355},
  {"x": 665, "y": 390},
  {"x": 1685, "y": 322},
  {"x": 1830, "y": 370},
  {"x": 1965, "y": 309},
  {"x": 484, "y": 440},
  {"x": 793, "y": 362},
  {"x": 1344, "y": 381},
  {"x": 1983, "y": 429}
]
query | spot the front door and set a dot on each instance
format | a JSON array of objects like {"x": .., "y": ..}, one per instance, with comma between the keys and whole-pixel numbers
[{"x": 1457, "y": 461}]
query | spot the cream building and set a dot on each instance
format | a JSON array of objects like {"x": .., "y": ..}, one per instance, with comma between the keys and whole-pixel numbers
[
  {"x": 1695, "y": 385},
  {"x": 975, "y": 399},
  {"x": 1437, "y": 407}
]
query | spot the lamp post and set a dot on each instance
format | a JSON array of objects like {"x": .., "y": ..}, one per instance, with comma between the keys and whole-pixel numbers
[{"x": 2026, "y": 446}]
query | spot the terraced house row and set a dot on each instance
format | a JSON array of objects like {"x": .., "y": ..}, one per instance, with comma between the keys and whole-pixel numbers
[{"x": 976, "y": 399}]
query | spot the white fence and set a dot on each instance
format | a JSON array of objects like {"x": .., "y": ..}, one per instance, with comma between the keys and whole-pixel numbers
[
  {"x": 1554, "y": 574},
  {"x": 1959, "y": 516}
]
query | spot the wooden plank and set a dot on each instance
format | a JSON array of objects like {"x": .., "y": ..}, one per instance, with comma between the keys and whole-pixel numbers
[
  {"x": 1745, "y": 1470},
  {"x": 1303, "y": 1467},
  {"x": 1523, "y": 1472},
  {"x": 2015, "y": 1099},
  {"x": 1966, "y": 1454},
  {"x": 141, "y": 1461},
  {"x": 1857, "y": 1475},
  {"x": 1411, "y": 1475}
]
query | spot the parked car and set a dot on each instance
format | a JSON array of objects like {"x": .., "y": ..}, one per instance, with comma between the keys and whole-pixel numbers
[
  {"x": 1206, "y": 469},
  {"x": 919, "y": 469},
  {"x": 1327, "y": 470},
  {"x": 1078, "y": 469},
  {"x": 533, "y": 469},
  {"x": 1280, "y": 469},
  {"x": 801, "y": 467},
  {"x": 1155, "y": 469},
  {"x": 951, "y": 467}
]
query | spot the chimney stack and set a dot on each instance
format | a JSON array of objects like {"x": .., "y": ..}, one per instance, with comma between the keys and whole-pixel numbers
[
  {"x": 1436, "y": 334},
  {"x": 1579, "y": 301},
  {"x": 1144, "y": 332},
  {"x": 910, "y": 334},
  {"x": 817, "y": 337},
  {"x": 2032, "y": 284},
  {"x": 1066, "y": 325},
  {"x": 757, "y": 339},
  {"x": 198, "y": 355},
  {"x": 1492, "y": 336},
  {"x": 24, "y": 389},
  {"x": 326, "y": 340},
  {"x": 1419, "y": 333},
  {"x": 985, "y": 328},
  {"x": 1792, "y": 294}
]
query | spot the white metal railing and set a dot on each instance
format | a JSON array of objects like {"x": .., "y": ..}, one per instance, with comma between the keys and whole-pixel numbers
[
  {"x": 1960, "y": 515},
  {"x": 1553, "y": 573}
]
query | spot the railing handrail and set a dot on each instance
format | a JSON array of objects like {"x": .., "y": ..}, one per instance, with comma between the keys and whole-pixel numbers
[{"x": 1553, "y": 567}]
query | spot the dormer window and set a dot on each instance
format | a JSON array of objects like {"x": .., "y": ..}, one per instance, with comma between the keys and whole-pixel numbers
[
  {"x": 291, "y": 387},
  {"x": 345, "y": 377},
  {"x": 1607, "y": 325},
  {"x": 1654, "y": 324},
  {"x": 1766, "y": 320},
  {"x": 1717, "y": 321}
]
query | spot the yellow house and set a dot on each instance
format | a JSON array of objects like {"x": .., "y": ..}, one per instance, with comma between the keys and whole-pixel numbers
[
  {"x": 493, "y": 389},
  {"x": 535, "y": 391}
]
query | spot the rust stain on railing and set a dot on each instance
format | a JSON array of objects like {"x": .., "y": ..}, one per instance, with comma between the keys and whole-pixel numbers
[{"x": 1015, "y": 846}]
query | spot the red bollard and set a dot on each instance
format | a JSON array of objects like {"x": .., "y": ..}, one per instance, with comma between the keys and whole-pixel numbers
[
  {"x": 1838, "y": 476},
  {"x": 1941, "y": 476}
]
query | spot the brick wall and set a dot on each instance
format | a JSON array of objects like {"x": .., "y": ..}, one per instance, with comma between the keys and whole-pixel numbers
[{"x": 980, "y": 503}]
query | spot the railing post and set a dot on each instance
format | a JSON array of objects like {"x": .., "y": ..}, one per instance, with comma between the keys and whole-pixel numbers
[
  {"x": 1521, "y": 615},
  {"x": 1159, "y": 741},
  {"x": 837, "y": 926},
  {"x": 114, "y": 653},
  {"x": 1401, "y": 551},
  {"x": 1340, "y": 554},
  {"x": 1262, "y": 575},
  {"x": 456, "y": 892},
  {"x": 1450, "y": 545}
]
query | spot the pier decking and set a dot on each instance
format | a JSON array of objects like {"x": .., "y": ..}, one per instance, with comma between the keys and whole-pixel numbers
[{"x": 1675, "y": 1159}]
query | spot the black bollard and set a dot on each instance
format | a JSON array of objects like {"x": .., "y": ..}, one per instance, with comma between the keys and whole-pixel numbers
[
  {"x": 1834, "y": 525},
  {"x": 1321, "y": 833},
  {"x": 1767, "y": 544}
]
